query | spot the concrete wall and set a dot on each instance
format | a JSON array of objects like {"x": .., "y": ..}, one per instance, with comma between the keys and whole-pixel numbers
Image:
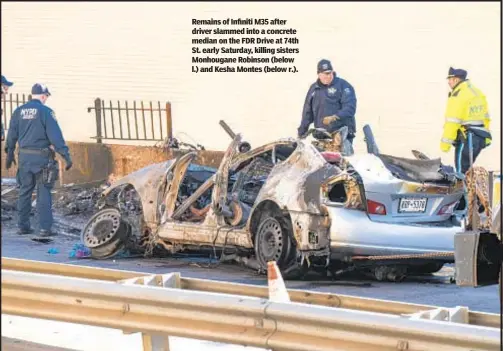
[
  {"x": 94, "y": 162},
  {"x": 395, "y": 55}
]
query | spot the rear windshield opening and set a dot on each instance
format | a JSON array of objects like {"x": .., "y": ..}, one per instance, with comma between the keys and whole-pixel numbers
[{"x": 338, "y": 193}]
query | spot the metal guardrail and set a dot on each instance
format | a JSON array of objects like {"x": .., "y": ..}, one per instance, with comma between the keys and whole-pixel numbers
[
  {"x": 232, "y": 319},
  {"x": 203, "y": 285}
]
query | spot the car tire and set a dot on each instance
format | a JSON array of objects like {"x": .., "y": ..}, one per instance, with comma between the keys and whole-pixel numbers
[
  {"x": 94, "y": 235},
  {"x": 274, "y": 242},
  {"x": 109, "y": 250}
]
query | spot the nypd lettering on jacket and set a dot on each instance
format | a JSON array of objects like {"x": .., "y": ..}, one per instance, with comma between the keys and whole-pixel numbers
[
  {"x": 28, "y": 113},
  {"x": 34, "y": 126},
  {"x": 337, "y": 98}
]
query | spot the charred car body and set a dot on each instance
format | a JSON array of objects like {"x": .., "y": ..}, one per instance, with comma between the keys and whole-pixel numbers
[{"x": 290, "y": 202}]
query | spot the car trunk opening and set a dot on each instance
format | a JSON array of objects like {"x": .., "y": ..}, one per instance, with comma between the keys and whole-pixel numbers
[{"x": 422, "y": 171}]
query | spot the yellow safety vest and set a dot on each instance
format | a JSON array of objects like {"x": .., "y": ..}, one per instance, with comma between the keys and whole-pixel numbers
[{"x": 466, "y": 107}]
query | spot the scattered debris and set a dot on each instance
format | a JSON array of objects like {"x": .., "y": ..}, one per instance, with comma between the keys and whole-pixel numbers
[
  {"x": 42, "y": 240},
  {"x": 7, "y": 207},
  {"x": 79, "y": 251},
  {"x": 77, "y": 200}
]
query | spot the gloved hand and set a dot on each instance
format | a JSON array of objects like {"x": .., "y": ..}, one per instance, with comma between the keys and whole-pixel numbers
[
  {"x": 327, "y": 120},
  {"x": 69, "y": 163},
  {"x": 445, "y": 147},
  {"x": 488, "y": 142}
]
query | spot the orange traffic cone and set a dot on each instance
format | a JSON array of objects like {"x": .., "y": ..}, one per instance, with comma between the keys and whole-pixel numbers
[{"x": 277, "y": 288}]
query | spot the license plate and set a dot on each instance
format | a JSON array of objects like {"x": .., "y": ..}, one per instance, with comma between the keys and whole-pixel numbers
[{"x": 412, "y": 205}]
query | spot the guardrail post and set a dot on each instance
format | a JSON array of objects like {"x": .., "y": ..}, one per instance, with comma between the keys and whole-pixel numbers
[
  {"x": 97, "y": 110},
  {"x": 171, "y": 280},
  {"x": 155, "y": 343}
]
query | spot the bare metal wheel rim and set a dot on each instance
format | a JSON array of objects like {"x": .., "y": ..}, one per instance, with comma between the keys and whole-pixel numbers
[
  {"x": 102, "y": 228},
  {"x": 271, "y": 245}
]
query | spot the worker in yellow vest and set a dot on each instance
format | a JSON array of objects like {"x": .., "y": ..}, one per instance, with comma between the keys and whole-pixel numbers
[{"x": 466, "y": 120}]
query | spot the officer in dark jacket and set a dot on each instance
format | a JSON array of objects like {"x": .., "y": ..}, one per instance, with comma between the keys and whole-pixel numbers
[
  {"x": 5, "y": 88},
  {"x": 330, "y": 103},
  {"x": 34, "y": 126}
]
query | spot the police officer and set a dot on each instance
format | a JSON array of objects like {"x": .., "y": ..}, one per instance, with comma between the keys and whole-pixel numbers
[
  {"x": 330, "y": 103},
  {"x": 5, "y": 89},
  {"x": 466, "y": 119},
  {"x": 34, "y": 126}
]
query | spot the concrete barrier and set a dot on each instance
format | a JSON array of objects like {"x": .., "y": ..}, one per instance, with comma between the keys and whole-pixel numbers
[{"x": 94, "y": 162}]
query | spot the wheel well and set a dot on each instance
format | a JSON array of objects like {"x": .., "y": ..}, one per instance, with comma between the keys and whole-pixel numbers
[
  {"x": 112, "y": 200},
  {"x": 112, "y": 197},
  {"x": 265, "y": 207}
]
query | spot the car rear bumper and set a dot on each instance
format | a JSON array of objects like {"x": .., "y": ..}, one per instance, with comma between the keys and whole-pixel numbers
[{"x": 352, "y": 233}]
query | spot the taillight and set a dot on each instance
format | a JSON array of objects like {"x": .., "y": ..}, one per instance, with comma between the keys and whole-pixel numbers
[
  {"x": 374, "y": 207},
  {"x": 332, "y": 157},
  {"x": 447, "y": 209}
]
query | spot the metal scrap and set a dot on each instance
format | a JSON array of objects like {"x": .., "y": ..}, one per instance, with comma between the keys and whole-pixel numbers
[{"x": 76, "y": 201}]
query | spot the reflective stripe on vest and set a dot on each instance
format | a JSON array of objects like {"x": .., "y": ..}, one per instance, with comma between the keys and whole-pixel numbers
[
  {"x": 453, "y": 120},
  {"x": 448, "y": 141}
]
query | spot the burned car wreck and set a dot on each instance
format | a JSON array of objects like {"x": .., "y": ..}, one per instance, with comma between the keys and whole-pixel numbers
[{"x": 290, "y": 202}]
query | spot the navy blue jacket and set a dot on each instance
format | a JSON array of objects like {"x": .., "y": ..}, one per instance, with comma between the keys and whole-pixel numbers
[
  {"x": 34, "y": 126},
  {"x": 338, "y": 98}
]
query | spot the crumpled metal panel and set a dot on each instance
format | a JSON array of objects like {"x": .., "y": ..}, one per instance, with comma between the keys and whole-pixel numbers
[
  {"x": 310, "y": 231},
  {"x": 295, "y": 184},
  {"x": 147, "y": 182},
  {"x": 197, "y": 234}
]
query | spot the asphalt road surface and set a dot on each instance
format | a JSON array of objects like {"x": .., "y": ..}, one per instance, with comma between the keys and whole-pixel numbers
[{"x": 433, "y": 289}]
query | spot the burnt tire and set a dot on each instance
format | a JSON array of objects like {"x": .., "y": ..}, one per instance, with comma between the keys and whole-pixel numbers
[
  {"x": 274, "y": 242},
  {"x": 108, "y": 251},
  {"x": 106, "y": 234}
]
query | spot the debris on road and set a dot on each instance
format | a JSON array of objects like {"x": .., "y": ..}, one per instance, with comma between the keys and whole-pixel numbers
[
  {"x": 70, "y": 199},
  {"x": 79, "y": 251},
  {"x": 72, "y": 206},
  {"x": 42, "y": 240},
  {"x": 8, "y": 187},
  {"x": 77, "y": 201}
]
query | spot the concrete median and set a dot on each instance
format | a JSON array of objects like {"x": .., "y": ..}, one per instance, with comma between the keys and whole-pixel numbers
[{"x": 93, "y": 162}]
